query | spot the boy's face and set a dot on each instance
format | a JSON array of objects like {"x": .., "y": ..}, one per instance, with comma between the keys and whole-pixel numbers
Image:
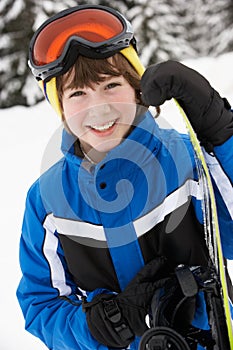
[{"x": 100, "y": 116}]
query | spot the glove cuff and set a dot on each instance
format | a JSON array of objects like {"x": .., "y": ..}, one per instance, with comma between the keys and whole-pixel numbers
[
  {"x": 106, "y": 322},
  {"x": 114, "y": 315},
  {"x": 217, "y": 123}
]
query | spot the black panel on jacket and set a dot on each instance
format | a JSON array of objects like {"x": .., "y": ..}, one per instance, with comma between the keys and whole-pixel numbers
[
  {"x": 179, "y": 237},
  {"x": 91, "y": 266}
]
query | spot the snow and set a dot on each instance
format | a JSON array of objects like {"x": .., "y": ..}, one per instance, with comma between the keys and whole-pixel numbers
[{"x": 24, "y": 137}]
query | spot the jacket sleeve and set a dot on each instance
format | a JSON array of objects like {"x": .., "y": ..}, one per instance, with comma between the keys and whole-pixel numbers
[
  {"x": 50, "y": 301},
  {"x": 221, "y": 170}
]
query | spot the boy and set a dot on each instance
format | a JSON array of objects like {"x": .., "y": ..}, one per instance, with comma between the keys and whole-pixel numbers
[{"x": 106, "y": 225}]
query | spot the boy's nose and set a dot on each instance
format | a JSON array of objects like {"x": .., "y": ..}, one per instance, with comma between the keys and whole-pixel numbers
[{"x": 99, "y": 109}]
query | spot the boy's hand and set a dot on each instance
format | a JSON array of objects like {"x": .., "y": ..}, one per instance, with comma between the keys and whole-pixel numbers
[
  {"x": 208, "y": 113},
  {"x": 114, "y": 320}
]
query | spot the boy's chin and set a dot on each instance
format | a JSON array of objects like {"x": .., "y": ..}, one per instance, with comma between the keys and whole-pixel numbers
[{"x": 107, "y": 146}]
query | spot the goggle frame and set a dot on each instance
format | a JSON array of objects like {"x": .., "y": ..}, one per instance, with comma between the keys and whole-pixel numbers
[{"x": 76, "y": 46}]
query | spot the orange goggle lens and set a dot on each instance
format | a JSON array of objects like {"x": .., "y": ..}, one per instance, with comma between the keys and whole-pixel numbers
[{"x": 91, "y": 25}]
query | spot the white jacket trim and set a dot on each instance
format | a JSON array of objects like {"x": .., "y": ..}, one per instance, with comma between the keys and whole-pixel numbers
[{"x": 142, "y": 225}]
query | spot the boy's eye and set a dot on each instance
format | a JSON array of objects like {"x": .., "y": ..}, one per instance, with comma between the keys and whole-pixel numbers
[
  {"x": 112, "y": 85},
  {"x": 76, "y": 93}
]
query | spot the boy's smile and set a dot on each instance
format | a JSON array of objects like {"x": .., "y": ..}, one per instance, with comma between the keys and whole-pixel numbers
[
  {"x": 101, "y": 116},
  {"x": 105, "y": 127}
]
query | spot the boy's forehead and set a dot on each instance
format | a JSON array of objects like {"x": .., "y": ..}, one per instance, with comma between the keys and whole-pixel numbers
[
  {"x": 86, "y": 71},
  {"x": 69, "y": 81}
]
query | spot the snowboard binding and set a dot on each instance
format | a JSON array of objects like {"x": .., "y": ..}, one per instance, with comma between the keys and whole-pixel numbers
[
  {"x": 173, "y": 308},
  {"x": 163, "y": 338}
]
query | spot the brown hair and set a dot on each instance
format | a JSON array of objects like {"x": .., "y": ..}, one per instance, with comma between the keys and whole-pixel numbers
[{"x": 89, "y": 71}]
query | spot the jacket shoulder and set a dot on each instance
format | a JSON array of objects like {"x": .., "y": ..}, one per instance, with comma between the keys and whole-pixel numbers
[{"x": 36, "y": 192}]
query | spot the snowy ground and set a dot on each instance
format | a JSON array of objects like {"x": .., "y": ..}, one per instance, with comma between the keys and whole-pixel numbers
[{"x": 24, "y": 136}]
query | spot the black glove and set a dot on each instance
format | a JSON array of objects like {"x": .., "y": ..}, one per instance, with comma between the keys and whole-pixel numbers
[
  {"x": 114, "y": 320},
  {"x": 208, "y": 113}
]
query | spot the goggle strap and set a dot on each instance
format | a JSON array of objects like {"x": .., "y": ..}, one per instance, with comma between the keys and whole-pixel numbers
[
  {"x": 131, "y": 55},
  {"x": 49, "y": 90}
]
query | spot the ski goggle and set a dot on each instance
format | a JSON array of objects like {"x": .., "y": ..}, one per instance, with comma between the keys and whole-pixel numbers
[{"x": 93, "y": 31}]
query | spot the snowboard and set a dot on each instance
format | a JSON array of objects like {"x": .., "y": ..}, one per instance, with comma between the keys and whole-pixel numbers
[{"x": 212, "y": 282}]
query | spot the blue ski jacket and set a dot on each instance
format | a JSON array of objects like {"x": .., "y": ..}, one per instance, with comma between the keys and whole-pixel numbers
[{"x": 88, "y": 229}]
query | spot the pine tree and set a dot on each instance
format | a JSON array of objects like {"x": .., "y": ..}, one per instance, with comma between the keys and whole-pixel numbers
[
  {"x": 220, "y": 27},
  {"x": 165, "y": 29},
  {"x": 209, "y": 26},
  {"x": 19, "y": 20},
  {"x": 159, "y": 30},
  {"x": 16, "y": 28}
]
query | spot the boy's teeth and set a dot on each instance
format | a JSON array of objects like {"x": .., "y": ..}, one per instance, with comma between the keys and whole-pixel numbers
[{"x": 103, "y": 127}]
